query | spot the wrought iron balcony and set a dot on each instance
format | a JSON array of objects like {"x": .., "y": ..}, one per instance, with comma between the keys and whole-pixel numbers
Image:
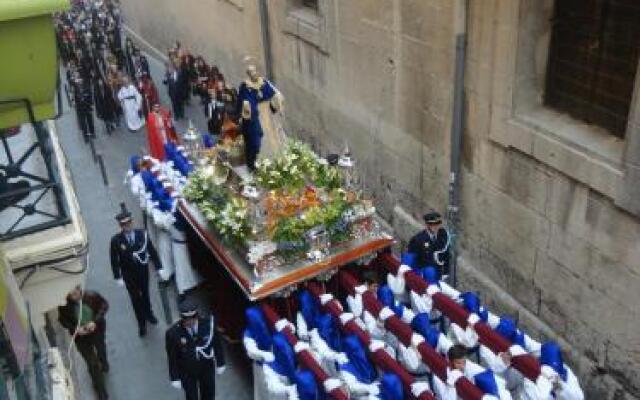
[{"x": 31, "y": 198}]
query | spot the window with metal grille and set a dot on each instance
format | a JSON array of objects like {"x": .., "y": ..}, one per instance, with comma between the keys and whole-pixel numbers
[{"x": 593, "y": 57}]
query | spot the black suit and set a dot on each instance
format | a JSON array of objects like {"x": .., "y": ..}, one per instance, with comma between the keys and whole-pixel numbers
[
  {"x": 193, "y": 358},
  {"x": 130, "y": 261},
  {"x": 214, "y": 111},
  {"x": 431, "y": 250},
  {"x": 173, "y": 80},
  {"x": 84, "y": 108}
]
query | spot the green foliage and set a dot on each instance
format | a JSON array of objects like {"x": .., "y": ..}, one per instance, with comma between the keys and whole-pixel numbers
[
  {"x": 226, "y": 212},
  {"x": 293, "y": 228},
  {"x": 296, "y": 167}
]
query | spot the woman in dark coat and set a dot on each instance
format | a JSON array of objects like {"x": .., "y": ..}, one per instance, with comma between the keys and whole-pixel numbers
[{"x": 106, "y": 106}]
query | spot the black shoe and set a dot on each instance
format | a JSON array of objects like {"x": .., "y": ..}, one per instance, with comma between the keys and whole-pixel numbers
[
  {"x": 152, "y": 319},
  {"x": 142, "y": 331}
]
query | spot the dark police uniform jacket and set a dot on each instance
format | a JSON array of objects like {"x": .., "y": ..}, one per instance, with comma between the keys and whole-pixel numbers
[
  {"x": 130, "y": 261},
  {"x": 431, "y": 250},
  {"x": 192, "y": 355}
]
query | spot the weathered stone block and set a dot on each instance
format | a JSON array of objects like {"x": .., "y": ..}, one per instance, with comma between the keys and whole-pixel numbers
[{"x": 405, "y": 225}]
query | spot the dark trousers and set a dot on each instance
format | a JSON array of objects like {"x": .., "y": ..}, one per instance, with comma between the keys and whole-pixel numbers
[
  {"x": 85, "y": 120},
  {"x": 178, "y": 107},
  {"x": 139, "y": 294},
  {"x": 94, "y": 351},
  {"x": 200, "y": 380}
]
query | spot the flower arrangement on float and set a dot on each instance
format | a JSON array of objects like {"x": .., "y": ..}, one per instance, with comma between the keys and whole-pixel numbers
[{"x": 296, "y": 204}]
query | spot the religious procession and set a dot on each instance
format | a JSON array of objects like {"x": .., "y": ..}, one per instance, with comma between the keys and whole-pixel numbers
[
  {"x": 263, "y": 260},
  {"x": 327, "y": 310}
]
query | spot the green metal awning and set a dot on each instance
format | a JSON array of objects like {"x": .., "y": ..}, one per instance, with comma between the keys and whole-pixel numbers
[
  {"x": 18, "y": 9},
  {"x": 29, "y": 68}
]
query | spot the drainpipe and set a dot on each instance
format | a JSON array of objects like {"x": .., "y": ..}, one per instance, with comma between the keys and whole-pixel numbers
[
  {"x": 457, "y": 130},
  {"x": 266, "y": 38}
]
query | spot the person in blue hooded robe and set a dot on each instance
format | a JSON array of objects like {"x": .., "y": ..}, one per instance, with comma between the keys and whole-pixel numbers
[
  {"x": 133, "y": 176},
  {"x": 468, "y": 336},
  {"x": 386, "y": 297},
  {"x": 564, "y": 383},
  {"x": 279, "y": 374},
  {"x": 308, "y": 311},
  {"x": 406, "y": 355},
  {"x": 421, "y": 324},
  {"x": 358, "y": 373},
  {"x": 397, "y": 282},
  {"x": 498, "y": 363},
  {"x": 373, "y": 325},
  {"x": 326, "y": 343},
  {"x": 186, "y": 277},
  {"x": 422, "y": 303},
  {"x": 488, "y": 382},
  {"x": 257, "y": 342}
]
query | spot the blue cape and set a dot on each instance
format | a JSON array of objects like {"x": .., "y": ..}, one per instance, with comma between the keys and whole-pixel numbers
[
  {"x": 307, "y": 386},
  {"x": 430, "y": 275},
  {"x": 421, "y": 323},
  {"x": 471, "y": 302},
  {"x": 385, "y": 296},
  {"x": 133, "y": 163},
  {"x": 359, "y": 365},
  {"x": 170, "y": 150},
  {"x": 328, "y": 331},
  {"x": 391, "y": 387},
  {"x": 284, "y": 362},
  {"x": 507, "y": 328},
  {"x": 408, "y": 259},
  {"x": 149, "y": 180},
  {"x": 486, "y": 382},
  {"x": 257, "y": 328},
  {"x": 308, "y": 307},
  {"x": 166, "y": 204}
]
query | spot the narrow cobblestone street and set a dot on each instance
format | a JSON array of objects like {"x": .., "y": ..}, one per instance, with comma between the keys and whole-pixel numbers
[{"x": 138, "y": 365}]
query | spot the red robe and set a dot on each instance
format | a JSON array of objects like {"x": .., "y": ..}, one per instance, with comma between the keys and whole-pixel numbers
[
  {"x": 160, "y": 130},
  {"x": 149, "y": 93}
]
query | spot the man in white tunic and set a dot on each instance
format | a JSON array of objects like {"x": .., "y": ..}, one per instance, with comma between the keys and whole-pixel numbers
[{"x": 131, "y": 102}]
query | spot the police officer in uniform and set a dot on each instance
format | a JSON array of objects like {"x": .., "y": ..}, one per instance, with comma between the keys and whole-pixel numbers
[
  {"x": 194, "y": 352},
  {"x": 130, "y": 251},
  {"x": 431, "y": 245}
]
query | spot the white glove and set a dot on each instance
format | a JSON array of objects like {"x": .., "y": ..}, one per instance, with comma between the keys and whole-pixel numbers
[
  {"x": 452, "y": 376},
  {"x": 120, "y": 283},
  {"x": 164, "y": 275},
  {"x": 374, "y": 389},
  {"x": 292, "y": 393},
  {"x": 176, "y": 385},
  {"x": 268, "y": 357},
  {"x": 220, "y": 370}
]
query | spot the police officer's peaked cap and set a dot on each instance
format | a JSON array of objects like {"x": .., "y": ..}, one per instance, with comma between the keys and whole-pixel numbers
[
  {"x": 124, "y": 215},
  {"x": 432, "y": 217},
  {"x": 188, "y": 308}
]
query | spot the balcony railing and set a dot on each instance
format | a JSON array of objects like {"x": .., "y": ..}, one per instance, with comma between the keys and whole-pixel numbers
[{"x": 31, "y": 198}]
